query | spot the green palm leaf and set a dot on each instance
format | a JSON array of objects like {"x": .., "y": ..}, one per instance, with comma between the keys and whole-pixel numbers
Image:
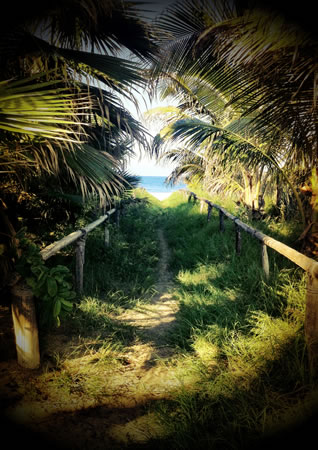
[
  {"x": 94, "y": 171},
  {"x": 28, "y": 107}
]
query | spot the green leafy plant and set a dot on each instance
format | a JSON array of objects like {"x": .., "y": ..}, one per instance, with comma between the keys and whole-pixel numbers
[{"x": 51, "y": 286}]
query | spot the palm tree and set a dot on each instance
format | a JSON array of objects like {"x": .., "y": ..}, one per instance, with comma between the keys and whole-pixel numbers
[
  {"x": 63, "y": 74},
  {"x": 76, "y": 44},
  {"x": 216, "y": 148},
  {"x": 250, "y": 75}
]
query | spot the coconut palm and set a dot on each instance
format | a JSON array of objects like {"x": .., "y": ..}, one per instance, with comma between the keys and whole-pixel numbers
[
  {"x": 63, "y": 74},
  {"x": 260, "y": 69},
  {"x": 76, "y": 44}
]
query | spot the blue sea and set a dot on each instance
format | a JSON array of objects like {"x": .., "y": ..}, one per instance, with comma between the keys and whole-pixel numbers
[{"x": 156, "y": 185}]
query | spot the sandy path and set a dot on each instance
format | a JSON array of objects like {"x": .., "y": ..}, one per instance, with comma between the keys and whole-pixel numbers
[
  {"x": 147, "y": 376},
  {"x": 123, "y": 416},
  {"x": 157, "y": 318}
]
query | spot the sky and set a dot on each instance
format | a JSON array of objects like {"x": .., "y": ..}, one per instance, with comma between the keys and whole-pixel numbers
[{"x": 142, "y": 164}]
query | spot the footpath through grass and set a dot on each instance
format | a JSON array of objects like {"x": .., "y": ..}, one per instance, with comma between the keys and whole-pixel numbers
[
  {"x": 239, "y": 356},
  {"x": 241, "y": 336}
]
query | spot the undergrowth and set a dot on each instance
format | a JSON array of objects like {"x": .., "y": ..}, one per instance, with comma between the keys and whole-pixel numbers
[
  {"x": 116, "y": 277},
  {"x": 125, "y": 270},
  {"x": 242, "y": 337},
  {"x": 240, "y": 352}
]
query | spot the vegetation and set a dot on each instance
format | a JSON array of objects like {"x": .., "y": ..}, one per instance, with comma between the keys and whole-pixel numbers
[
  {"x": 232, "y": 368},
  {"x": 242, "y": 78},
  {"x": 132, "y": 245},
  {"x": 237, "y": 349},
  {"x": 241, "y": 338},
  {"x": 51, "y": 286},
  {"x": 63, "y": 122}
]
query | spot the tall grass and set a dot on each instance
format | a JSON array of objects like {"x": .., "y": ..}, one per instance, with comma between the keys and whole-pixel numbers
[
  {"x": 127, "y": 268},
  {"x": 240, "y": 351},
  {"x": 115, "y": 278},
  {"x": 240, "y": 334}
]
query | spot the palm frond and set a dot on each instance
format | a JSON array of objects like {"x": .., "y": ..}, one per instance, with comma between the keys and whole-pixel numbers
[
  {"x": 33, "y": 108},
  {"x": 257, "y": 61},
  {"x": 94, "y": 171},
  {"x": 229, "y": 141}
]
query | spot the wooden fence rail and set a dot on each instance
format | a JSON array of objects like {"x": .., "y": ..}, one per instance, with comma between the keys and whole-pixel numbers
[
  {"x": 79, "y": 237},
  {"x": 23, "y": 308},
  {"x": 303, "y": 261}
]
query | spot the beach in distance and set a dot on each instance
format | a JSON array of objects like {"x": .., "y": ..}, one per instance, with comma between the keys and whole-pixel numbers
[{"x": 157, "y": 187}]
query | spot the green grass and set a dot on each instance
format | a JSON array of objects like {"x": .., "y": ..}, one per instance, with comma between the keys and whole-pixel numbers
[
  {"x": 118, "y": 277},
  {"x": 241, "y": 336},
  {"x": 126, "y": 269}
]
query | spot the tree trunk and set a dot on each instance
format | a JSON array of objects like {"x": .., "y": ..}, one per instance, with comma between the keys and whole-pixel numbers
[
  {"x": 80, "y": 260},
  {"x": 311, "y": 320},
  {"x": 310, "y": 235},
  {"x": 278, "y": 192}
]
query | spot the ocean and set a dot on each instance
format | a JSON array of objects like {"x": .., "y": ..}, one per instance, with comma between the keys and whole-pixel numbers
[{"x": 156, "y": 186}]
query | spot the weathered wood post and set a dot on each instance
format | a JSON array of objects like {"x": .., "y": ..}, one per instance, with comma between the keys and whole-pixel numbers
[
  {"x": 25, "y": 326},
  {"x": 106, "y": 235},
  {"x": 80, "y": 260},
  {"x": 117, "y": 213},
  {"x": 202, "y": 202},
  {"x": 209, "y": 211},
  {"x": 238, "y": 241},
  {"x": 311, "y": 317},
  {"x": 221, "y": 216},
  {"x": 265, "y": 262}
]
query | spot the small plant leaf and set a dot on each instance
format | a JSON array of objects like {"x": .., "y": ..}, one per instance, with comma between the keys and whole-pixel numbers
[
  {"x": 51, "y": 286},
  {"x": 66, "y": 304},
  {"x": 57, "y": 308}
]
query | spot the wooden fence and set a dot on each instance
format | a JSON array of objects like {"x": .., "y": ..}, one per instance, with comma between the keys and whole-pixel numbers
[
  {"x": 79, "y": 238},
  {"x": 23, "y": 308},
  {"x": 303, "y": 261}
]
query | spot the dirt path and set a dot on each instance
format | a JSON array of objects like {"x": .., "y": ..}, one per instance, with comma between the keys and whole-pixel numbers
[
  {"x": 123, "y": 416},
  {"x": 158, "y": 318},
  {"x": 148, "y": 377}
]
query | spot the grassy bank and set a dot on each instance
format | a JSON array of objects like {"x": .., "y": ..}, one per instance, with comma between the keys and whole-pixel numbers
[
  {"x": 241, "y": 336},
  {"x": 79, "y": 357},
  {"x": 237, "y": 360}
]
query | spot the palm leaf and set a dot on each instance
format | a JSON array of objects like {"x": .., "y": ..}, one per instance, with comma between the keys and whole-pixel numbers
[
  {"x": 94, "y": 171},
  {"x": 27, "y": 107},
  {"x": 117, "y": 73}
]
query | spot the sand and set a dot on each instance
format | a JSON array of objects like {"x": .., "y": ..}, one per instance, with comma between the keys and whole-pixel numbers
[{"x": 161, "y": 195}]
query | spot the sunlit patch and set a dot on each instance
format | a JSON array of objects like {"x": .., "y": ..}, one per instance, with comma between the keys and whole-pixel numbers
[{"x": 206, "y": 350}]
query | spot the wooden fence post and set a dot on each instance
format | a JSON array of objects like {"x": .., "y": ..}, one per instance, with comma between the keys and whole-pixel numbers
[
  {"x": 265, "y": 262},
  {"x": 209, "y": 211},
  {"x": 117, "y": 217},
  {"x": 201, "y": 206},
  {"x": 238, "y": 241},
  {"x": 221, "y": 216},
  {"x": 311, "y": 319},
  {"x": 80, "y": 260},
  {"x": 106, "y": 239},
  {"x": 25, "y": 326}
]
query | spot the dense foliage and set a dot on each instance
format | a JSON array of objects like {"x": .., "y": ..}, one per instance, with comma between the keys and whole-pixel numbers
[
  {"x": 242, "y": 76},
  {"x": 65, "y": 134}
]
